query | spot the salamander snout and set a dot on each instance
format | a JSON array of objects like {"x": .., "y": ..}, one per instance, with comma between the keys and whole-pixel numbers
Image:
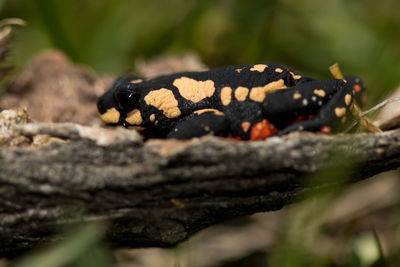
[{"x": 107, "y": 108}]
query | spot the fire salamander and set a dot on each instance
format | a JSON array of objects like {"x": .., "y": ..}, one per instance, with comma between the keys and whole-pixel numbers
[{"x": 248, "y": 102}]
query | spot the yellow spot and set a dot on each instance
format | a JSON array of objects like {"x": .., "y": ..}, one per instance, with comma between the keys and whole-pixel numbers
[
  {"x": 258, "y": 93},
  {"x": 296, "y": 95},
  {"x": 340, "y": 112},
  {"x": 319, "y": 92},
  {"x": 201, "y": 111},
  {"x": 296, "y": 77},
  {"x": 152, "y": 117},
  {"x": 137, "y": 81},
  {"x": 110, "y": 116},
  {"x": 259, "y": 67},
  {"x": 193, "y": 90},
  {"x": 164, "y": 100},
  {"x": 279, "y": 70},
  {"x": 226, "y": 94},
  {"x": 134, "y": 117},
  {"x": 347, "y": 99},
  {"x": 238, "y": 70},
  {"x": 343, "y": 121},
  {"x": 241, "y": 93}
]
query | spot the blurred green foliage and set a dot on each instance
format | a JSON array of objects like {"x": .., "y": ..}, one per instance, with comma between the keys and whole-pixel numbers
[
  {"x": 309, "y": 35},
  {"x": 306, "y": 243},
  {"x": 310, "y": 237},
  {"x": 81, "y": 248}
]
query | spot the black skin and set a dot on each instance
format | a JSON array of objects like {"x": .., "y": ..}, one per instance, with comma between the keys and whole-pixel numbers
[{"x": 306, "y": 104}]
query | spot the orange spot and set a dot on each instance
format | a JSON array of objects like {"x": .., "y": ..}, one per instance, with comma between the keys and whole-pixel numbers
[
  {"x": 239, "y": 70},
  {"x": 246, "y": 126},
  {"x": 311, "y": 116},
  {"x": 357, "y": 88},
  {"x": 262, "y": 129},
  {"x": 326, "y": 129}
]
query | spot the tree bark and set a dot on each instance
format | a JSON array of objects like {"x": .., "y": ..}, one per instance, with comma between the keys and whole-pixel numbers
[{"x": 160, "y": 192}]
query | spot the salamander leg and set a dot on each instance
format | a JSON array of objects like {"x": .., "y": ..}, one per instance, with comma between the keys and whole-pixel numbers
[
  {"x": 319, "y": 105},
  {"x": 336, "y": 97},
  {"x": 197, "y": 125}
]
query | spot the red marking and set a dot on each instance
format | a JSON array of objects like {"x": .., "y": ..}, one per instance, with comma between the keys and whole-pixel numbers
[
  {"x": 246, "y": 126},
  {"x": 325, "y": 129},
  {"x": 262, "y": 129},
  {"x": 230, "y": 136},
  {"x": 299, "y": 118},
  {"x": 357, "y": 88}
]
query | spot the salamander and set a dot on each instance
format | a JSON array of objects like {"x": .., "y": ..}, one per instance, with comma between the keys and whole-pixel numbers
[{"x": 246, "y": 102}]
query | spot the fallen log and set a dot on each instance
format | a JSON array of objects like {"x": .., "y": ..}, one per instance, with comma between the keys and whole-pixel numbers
[{"x": 160, "y": 192}]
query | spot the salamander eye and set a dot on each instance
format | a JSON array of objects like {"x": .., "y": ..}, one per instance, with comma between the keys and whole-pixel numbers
[{"x": 126, "y": 99}]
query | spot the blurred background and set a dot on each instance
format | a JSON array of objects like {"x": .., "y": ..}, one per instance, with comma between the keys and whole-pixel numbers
[
  {"x": 353, "y": 226},
  {"x": 308, "y": 35}
]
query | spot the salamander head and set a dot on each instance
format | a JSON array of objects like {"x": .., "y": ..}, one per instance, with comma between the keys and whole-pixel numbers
[{"x": 115, "y": 103}]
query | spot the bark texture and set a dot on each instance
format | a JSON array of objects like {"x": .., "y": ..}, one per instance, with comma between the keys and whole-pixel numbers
[{"x": 160, "y": 192}]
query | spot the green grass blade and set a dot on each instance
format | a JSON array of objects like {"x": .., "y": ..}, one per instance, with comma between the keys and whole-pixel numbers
[{"x": 72, "y": 249}]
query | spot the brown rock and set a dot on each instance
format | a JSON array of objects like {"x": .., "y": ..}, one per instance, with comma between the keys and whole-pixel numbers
[
  {"x": 53, "y": 89},
  {"x": 9, "y": 119}
]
